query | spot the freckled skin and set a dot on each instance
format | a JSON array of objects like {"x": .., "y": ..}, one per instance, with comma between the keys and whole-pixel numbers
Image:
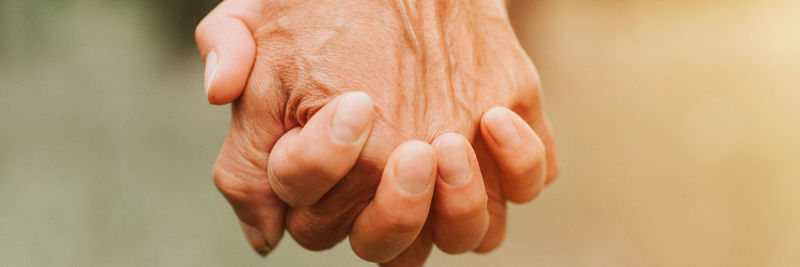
[{"x": 431, "y": 67}]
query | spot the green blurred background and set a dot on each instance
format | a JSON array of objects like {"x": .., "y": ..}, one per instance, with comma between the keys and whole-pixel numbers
[{"x": 676, "y": 123}]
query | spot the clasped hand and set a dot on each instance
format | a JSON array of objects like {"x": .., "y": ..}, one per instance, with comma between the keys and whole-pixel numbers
[{"x": 400, "y": 124}]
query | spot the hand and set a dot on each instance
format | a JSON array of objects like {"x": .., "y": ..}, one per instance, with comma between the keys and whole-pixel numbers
[{"x": 427, "y": 78}]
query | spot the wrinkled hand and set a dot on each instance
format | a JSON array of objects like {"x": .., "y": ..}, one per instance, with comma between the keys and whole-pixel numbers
[{"x": 431, "y": 67}]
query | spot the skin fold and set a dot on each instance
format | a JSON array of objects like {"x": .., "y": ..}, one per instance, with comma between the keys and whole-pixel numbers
[{"x": 432, "y": 71}]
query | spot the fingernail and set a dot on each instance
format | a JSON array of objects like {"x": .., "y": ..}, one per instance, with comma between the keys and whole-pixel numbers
[
  {"x": 501, "y": 128},
  {"x": 352, "y": 117},
  {"x": 453, "y": 161},
  {"x": 414, "y": 167},
  {"x": 211, "y": 70},
  {"x": 257, "y": 240}
]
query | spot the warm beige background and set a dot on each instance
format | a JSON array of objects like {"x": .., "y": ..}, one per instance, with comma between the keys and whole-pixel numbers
[{"x": 676, "y": 124}]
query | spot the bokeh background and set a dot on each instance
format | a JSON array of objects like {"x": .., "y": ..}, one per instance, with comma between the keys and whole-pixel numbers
[{"x": 676, "y": 124}]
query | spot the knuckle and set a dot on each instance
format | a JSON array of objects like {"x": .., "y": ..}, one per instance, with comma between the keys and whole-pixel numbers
[
  {"x": 314, "y": 232},
  {"x": 531, "y": 86},
  {"x": 528, "y": 94},
  {"x": 231, "y": 188},
  {"x": 528, "y": 78},
  {"x": 239, "y": 180},
  {"x": 305, "y": 96}
]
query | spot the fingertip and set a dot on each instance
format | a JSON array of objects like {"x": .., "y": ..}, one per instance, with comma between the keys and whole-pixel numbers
[
  {"x": 452, "y": 154},
  {"x": 361, "y": 97},
  {"x": 497, "y": 123},
  {"x": 397, "y": 214},
  {"x": 352, "y": 119},
  {"x": 518, "y": 151},
  {"x": 228, "y": 49},
  {"x": 414, "y": 167},
  {"x": 460, "y": 217},
  {"x": 230, "y": 75},
  {"x": 307, "y": 162},
  {"x": 257, "y": 240}
]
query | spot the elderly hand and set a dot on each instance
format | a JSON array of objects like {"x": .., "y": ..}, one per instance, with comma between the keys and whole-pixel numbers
[{"x": 431, "y": 67}]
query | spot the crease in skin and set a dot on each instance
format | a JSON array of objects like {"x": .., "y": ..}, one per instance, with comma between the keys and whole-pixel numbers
[
  {"x": 416, "y": 44},
  {"x": 457, "y": 89},
  {"x": 302, "y": 104},
  {"x": 447, "y": 48},
  {"x": 513, "y": 80},
  {"x": 396, "y": 105},
  {"x": 409, "y": 28},
  {"x": 476, "y": 46},
  {"x": 252, "y": 163}
]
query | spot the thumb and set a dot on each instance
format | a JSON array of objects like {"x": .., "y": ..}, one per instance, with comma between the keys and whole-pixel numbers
[{"x": 228, "y": 49}]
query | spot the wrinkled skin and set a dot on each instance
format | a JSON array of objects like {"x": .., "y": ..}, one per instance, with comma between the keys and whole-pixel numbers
[{"x": 431, "y": 67}]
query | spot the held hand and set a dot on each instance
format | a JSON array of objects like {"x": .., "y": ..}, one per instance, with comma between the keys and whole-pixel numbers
[{"x": 428, "y": 73}]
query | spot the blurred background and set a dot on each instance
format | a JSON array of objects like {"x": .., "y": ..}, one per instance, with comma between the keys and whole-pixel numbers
[{"x": 675, "y": 121}]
